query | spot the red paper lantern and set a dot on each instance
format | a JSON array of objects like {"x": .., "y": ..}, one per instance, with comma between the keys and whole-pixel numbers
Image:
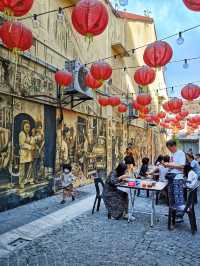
[
  {"x": 91, "y": 82},
  {"x": 165, "y": 125},
  {"x": 184, "y": 114},
  {"x": 155, "y": 119},
  {"x": 193, "y": 5},
  {"x": 174, "y": 105},
  {"x": 122, "y": 108},
  {"x": 15, "y": 8},
  {"x": 144, "y": 99},
  {"x": 167, "y": 120},
  {"x": 175, "y": 122},
  {"x": 136, "y": 106},
  {"x": 162, "y": 115},
  {"x": 63, "y": 78},
  {"x": 101, "y": 71},
  {"x": 103, "y": 101},
  {"x": 90, "y": 17},
  {"x": 192, "y": 125},
  {"x": 114, "y": 101},
  {"x": 178, "y": 117},
  {"x": 144, "y": 76},
  {"x": 158, "y": 54},
  {"x": 16, "y": 36},
  {"x": 195, "y": 120},
  {"x": 166, "y": 107},
  {"x": 190, "y": 92},
  {"x": 149, "y": 119},
  {"x": 144, "y": 110}
]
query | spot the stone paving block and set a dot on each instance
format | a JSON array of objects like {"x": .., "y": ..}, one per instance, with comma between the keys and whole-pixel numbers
[{"x": 93, "y": 240}]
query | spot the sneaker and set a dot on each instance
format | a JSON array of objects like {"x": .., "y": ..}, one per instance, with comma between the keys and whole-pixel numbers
[{"x": 62, "y": 202}]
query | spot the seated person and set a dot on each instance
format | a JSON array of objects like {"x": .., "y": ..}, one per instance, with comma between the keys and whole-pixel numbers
[
  {"x": 115, "y": 200},
  {"x": 158, "y": 160},
  {"x": 161, "y": 169},
  {"x": 144, "y": 168},
  {"x": 144, "y": 172}
]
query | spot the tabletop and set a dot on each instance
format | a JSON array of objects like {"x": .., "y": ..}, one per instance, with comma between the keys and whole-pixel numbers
[{"x": 159, "y": 186}]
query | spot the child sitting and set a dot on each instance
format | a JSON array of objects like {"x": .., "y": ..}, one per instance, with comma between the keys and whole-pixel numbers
[{"x": 67, "y": 179}]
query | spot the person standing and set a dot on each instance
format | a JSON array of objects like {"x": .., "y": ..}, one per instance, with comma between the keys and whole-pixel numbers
[
  {"x": 194, "y": 164},
  {"x": 129, "y": 160},
  {"x": 176, "y": 178},
  {"x": 190, "y": 151},
  {"x": 67, "y": 183}
]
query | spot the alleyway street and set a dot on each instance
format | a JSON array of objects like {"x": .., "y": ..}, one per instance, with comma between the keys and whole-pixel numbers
[{"x": 94, "y": 240}]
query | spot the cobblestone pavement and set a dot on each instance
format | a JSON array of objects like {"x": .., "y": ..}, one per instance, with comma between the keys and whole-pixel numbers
[
  {"x": 12, "y": 219},
  {"x": 93, "y": 240}
]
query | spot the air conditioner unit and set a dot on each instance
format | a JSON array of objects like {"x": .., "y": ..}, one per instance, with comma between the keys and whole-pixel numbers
[{"x": 78, "y": 87}]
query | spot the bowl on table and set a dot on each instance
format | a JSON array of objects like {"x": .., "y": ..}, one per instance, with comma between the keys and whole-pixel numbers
[
  {"x": 149, "y": 185},
  {"x": 143, "y": 184},
  {"x": 153, "y": 183}
]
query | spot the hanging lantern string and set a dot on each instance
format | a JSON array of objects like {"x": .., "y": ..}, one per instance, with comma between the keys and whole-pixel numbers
[
  {"x": 114, "y": 56},
  {"x": 45, "y": 13},
  {"x": 130, "y": 50},
  {"x": 145, "y": 45},
  {"x": 171, "y": 62},
  {"x": 135, "y": 93}
]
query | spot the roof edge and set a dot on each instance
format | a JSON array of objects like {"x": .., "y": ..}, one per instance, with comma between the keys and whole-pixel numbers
[{"x": 129, "y": 15}]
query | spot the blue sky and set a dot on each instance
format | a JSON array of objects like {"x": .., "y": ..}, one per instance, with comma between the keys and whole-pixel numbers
[{"x": 172, "y": 16}]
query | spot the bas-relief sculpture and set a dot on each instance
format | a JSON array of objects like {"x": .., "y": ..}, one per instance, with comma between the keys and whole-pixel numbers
[{"x": 81, "y": 141}]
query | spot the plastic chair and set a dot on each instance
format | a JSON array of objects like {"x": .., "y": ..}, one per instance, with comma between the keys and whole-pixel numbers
[
  {"x": 97, "y": 182},
  {"x": 189, "y": 210}
]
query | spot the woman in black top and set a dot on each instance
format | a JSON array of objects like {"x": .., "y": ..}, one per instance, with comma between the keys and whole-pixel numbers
[{"x": 144, "y": 168}]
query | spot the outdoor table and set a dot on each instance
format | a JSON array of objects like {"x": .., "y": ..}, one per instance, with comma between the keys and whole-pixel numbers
[{"x": 157, "y": 188}]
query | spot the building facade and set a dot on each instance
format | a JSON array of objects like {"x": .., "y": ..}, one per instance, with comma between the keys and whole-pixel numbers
[{"x": 41, "y": 127}]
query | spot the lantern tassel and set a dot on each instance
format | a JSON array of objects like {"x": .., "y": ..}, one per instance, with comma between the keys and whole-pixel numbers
[
  {"x": 8, "y": 14},
  {"x": 89, "y": 39}
]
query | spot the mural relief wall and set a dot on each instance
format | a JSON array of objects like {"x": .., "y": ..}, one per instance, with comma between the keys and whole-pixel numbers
[
  {"x": 28, "y": 154},
  {"x": 36, "y": 139},
  {"x": 141, "y": 142},
  {"x": 23, "y": 150},
  {"x": 5, "y": 142},
  {"x": 81, "y": 141},
  {"x": 118, "y": 143}
]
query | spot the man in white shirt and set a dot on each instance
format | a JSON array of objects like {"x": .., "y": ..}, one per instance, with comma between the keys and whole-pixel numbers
[{"x": 175, "y": 177}]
